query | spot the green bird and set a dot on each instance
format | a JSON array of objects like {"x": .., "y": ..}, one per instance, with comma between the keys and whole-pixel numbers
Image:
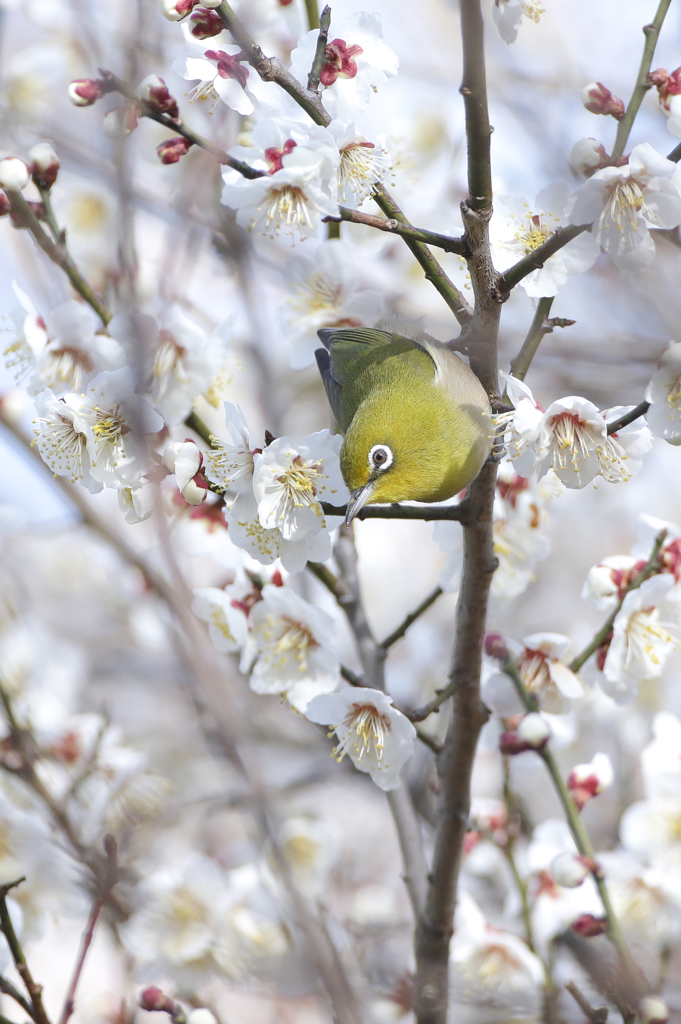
[{"x": 416, "y": 419}]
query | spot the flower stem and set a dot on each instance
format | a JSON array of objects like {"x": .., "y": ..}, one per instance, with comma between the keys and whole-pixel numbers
[
  {"x": 651, "y": 33},
  {"x": 538, "y": 328}
]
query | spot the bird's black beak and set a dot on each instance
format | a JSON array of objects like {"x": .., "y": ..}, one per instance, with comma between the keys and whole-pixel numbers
[{"x": 358, "y": 500}]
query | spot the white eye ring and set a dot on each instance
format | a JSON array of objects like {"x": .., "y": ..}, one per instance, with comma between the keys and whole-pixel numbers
[{"x": 380, "y": 458}]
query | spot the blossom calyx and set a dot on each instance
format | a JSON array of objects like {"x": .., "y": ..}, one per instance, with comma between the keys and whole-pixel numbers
[
  {"x": 599, "y": 100},
  {"x": 153, "y": 90},
  {"x": 589, "y": 926},
  {"x": 14, "y": 174},
  {"x": 653, "y": 1010},
  {"x": 172, "y": 150},
  {"x": 203, "y": 24},
  {"x": 44, "y": 164}
]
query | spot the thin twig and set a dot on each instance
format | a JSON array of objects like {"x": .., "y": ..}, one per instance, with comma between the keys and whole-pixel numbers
[
  {"x": 320, "y": 49},
  {"x": 597, "y": 1015},
  {"x": 56, "y": 253},
  {"x": 8, "y": 989},
  {"x": 449, "y": 243},
  {"x": 651, "y": 33},
  {"x": 349, "y": 598},
  {"x": 108, "y": 881},
  {"x": 538, "y": 329},
  {"x": 34, "y": 990},
  {"x": 623, "y": 421},
  {"x": 398, "y": 633},
  {"x": 429, "y": 513},
  {"x": 175, "y": 124},
  {"x": 649, "y": 569}
]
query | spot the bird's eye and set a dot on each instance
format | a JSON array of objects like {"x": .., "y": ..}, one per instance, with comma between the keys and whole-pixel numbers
[{"x": 380, "y": 458}]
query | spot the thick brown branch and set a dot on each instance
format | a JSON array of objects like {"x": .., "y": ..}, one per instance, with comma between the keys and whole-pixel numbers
[
  {"x": 623, "y": 421},
  {"x": 429, "y": 513},
  {"x": 474, "y": 92}
]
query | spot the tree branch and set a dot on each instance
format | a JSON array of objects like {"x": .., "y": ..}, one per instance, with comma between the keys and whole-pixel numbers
[
  {"x": 511, "y": 277},
  {"x": 474, "y": 92},
  {"x": 538, "y": 329},
  {"x": 8, "y": 989},
  {"x": 34, "y": 990},
  {"x": 651, "y": 33},
  {"x": 429, "y": 513},
  {"x": 596, "y": 1015},
  {"x": 320, "y": 50},
  {"x": 395, "y": 227},
  {"x": 398, "y": 633},
  {"x": 56, "y": 253},
  {"x": 623, "y": 421}
]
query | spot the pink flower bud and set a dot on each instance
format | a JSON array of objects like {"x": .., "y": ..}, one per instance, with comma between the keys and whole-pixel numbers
[
  {"x": 176, "y": 10},
  {"x": 153, "y": 89},
  {"x": 153, "y": 998},
  {"x": 568, "y": 870},
  {"x": 120, "y": 122},
  {"x": 589, "y": 926},
  {"x": 588, "y": 780},
  {"x": 172, "y": 150},
  {"x": 44, "y": 164},
  {"x": 652, "y": 1010},
  {"x": 599, "y": 100},
  {"x": 588, "y": 156},
  {"x": 4, "y": 205},
  {"x": 14, "y": 174},
  {"x": 204, "y": 24},
  {"x": 495, "y": 647},
  {"x": 667, "y": 84},
  {"x": 84, "y": 92}
]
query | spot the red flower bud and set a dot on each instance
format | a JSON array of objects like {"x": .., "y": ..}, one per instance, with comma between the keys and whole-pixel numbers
[
  {"x": 599, "y": 100},
  {"x": 43, "y": 164},
  {"x": 495, "y": 646},
  {"x": 4, "y": 205},
  {"x": 170, "y": 151},
  {"x": 152, "y": 998},
  {"x": 589, "y": 926},
  {"x": 85, "y": 91},
  {"x": 154, "y": 90},
  {"x": 204, "y": 24}
]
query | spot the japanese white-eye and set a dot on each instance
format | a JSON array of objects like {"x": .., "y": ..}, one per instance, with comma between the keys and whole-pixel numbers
[{"x": 416, "y": 419}]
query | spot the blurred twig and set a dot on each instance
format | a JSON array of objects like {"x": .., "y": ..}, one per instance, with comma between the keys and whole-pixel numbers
[
  {"x": 393, "y": 226},
  {"x": 34, "y": 990},
  {"x": 597, "y": 1015}
]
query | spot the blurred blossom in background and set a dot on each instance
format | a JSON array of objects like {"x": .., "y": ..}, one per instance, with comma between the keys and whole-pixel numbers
[{"x": 170, "y": 672}]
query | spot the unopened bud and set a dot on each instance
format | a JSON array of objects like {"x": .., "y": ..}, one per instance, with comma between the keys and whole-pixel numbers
[
  {"x": 658, "y": 77},
  {"x": 44, "y": 164},
  {"x": 589, "y": 926},
  {"x": 14, "y": 174},
  {"x": 653, "y": 1010},
  {"x": 588, "y": 156},
  {"x": 152, "y": 998},
  {"x": 588, "y": 780},
  {"x": 154, "y": 90},
  {"x": 120, "y": 122},
  {"x": 176, "y": 10},
  {"x": 568, "y": 870},
  {"x": 204, "y": 24},
  {"x": 84, "y": 92},
  {"x": 4, "y": 205},
  {"x": 172, "y": 150},
  {"x": 534, "y": 731},
  {"x": 667, "y": 84},
  {"x": 495, "y": 647},
  {"x": 196, "y": 490},
  {"x": 599, "y": 100}
]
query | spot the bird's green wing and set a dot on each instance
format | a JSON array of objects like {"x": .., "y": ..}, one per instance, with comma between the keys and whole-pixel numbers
[{"x": 351, "y": 351}]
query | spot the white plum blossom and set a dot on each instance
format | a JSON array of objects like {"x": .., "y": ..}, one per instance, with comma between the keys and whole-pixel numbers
[
  {"x": 227, "y": 625},
  {"x": 648, "y": 530},
  {"x": 491, "y": 963},
  {"x": 571, "y": 434},
  {"x": 356, "y": 61},
  {"x": 646, "y": 901},
  {"x": 310, "y": 849},
  {"x": 522, "y": 427},
  {"x": 377, "y": 737},
  {"x": 185, "y": 460},
  {"x": 361, "y": 164},
  {"x": 641, "y": 641},
  {"x": 516, "y": 230},
  {"x": 137, "y": 503},
  {"x": 664, "y": 395},
  {"x": 587, "y": 156},
  {"x": 14, "y": 174},
  {"x": 544, "y": 674},
  {"x": 266, "y": 545},
  {"x": 115, "y": 420},
  {"x": 508, "y": 15},
  {"x": 61, "y": 439},
  {"x": 30, "y": 336},
  {"x": 290, "y": 648},
  {"x": 661, "y": 758},
  {"x": 219, "y": 75},
  {"x": 650, "y": 830},
  {"x": 621, "y": 457},
  {"x": 297, "y": 159},
  {"x": 622, "y": 203},
  {"x": 606, "y": 582},
  {"x": 324, "y": 292},
  {"x": 291, "y": 479},
  {"x": 229, "y": 462}
]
